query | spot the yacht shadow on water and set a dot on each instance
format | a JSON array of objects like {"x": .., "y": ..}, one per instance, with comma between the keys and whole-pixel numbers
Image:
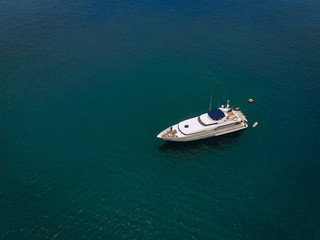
[{"x": 213, "y": 143}]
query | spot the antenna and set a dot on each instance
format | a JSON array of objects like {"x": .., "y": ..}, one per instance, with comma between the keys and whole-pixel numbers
[
  {"x": 228, "y": 103},
  {"x": 210, "y": 103}
]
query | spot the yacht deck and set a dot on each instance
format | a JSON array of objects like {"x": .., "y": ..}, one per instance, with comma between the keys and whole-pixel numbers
[{"x": 170, "y": 133}]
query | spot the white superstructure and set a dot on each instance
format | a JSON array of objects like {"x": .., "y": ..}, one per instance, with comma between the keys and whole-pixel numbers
[{"x": 214, "y": 123}]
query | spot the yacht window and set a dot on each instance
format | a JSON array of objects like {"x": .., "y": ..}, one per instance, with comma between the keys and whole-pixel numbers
[
  {"x": 203, "y": 124},
  {"x": 225, "y": 126},
  {"x": 186, "y": 126}
]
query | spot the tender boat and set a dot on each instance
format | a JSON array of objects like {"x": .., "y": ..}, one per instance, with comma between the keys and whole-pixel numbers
[{"x": 216, "y": 122}]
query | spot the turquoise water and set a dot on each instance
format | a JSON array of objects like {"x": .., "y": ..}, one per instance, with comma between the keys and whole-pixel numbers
[{"x": 86, "y": 86}]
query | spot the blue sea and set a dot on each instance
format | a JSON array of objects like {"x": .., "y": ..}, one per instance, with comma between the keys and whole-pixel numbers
[{"x": 85, "y": 87}]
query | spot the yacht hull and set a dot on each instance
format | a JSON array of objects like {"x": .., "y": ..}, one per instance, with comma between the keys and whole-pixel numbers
[
  {"x": 201, "y": 135},
  {"x": 216, "y": 122}
]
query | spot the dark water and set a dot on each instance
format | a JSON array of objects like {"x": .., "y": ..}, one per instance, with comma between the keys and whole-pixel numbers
[{"x": 87, "y": 85}]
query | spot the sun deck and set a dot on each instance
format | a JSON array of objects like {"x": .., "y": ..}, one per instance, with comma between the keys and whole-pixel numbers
[
  {"x": 230, "y": 114},
  {"x": 170, "y": 133}
]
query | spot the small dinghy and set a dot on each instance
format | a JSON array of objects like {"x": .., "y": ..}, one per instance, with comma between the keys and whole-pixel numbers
[{"x": 255, "y": 124}]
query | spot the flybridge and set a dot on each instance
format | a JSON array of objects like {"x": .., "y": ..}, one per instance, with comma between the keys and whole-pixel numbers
[{"x": 216, "y": 114}]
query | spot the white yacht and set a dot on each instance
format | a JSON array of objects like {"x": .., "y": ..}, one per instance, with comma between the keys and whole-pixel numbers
[{"x": 214, "y": 123}]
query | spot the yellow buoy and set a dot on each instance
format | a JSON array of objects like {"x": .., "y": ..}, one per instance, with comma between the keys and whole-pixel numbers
[{"x": 250, "y": 100}]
